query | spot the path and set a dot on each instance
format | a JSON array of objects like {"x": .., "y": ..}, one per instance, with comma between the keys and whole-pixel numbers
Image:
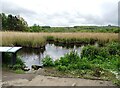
[
  {"x": 56, "y": 81},
  {"x": 13, "y": 79}
]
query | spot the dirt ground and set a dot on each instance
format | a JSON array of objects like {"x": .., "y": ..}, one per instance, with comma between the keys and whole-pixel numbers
[{"x": 12, "y": 79}]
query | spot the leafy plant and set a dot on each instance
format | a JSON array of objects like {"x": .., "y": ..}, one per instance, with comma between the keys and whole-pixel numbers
[
  {"x": 90, "y": 52},
  {"x": 61, "y": 68},
  {"x": 47, "y": 61},
  {"x": 113, "y": 48}
]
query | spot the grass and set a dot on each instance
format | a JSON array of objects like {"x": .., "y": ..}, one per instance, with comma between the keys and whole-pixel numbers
[
  {"x": 40, "y": 39},
  {"x": 19, "y": 71},
  {"x": 22, "y": 39}
]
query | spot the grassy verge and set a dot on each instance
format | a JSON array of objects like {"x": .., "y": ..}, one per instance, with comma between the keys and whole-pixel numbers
[
  {"x": 94, "y": 63},
  {"x": 38, "y": 40}
]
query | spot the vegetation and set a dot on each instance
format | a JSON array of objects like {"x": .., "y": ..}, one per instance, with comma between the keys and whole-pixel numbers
[
  {"x": 100, "y": 62},
  {"x": 95, "y": 61},
  {"x": 17, "y": 23},
  {"x": 47, "y": 61},
  {"x": 13, "y": 23},
  {"x": 23, "y": 39},
  {"x": 40, "y": 39},
  {"x": 103, "y": 29},
  {"x": 6, "y": 63}
]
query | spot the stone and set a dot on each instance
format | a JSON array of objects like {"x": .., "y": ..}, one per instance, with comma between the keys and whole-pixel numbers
[
  {"x": 74, "y": 84},
  {"x": 26, "y": 69},
  {"x": 36, "y": 67}
]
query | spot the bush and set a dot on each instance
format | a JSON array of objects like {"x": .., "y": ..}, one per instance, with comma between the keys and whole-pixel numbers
[
  {"x": 72, "y": 61},
  {"x": 19, "y": 61},
  {"x": 113, "y": 48},
  {"x": 56, "y": 62},
  {"x": 103, "y": 52},
  {"x": 83, "y": 66},
  {"x": 17, "y": 66},
  {"x": 90, "y": 52},
  {"x": 47, "y": 61},
  {"x": 61, "y": 68}
]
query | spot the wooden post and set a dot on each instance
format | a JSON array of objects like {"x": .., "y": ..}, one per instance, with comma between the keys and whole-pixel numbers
[
  {"x": 13, "y": 58},
  {"x": 3, "y": 56}
]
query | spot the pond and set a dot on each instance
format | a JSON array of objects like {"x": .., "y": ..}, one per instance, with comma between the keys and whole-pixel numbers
[{"x": 34, "y": 56}]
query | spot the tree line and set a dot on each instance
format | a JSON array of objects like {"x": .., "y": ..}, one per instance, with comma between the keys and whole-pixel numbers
[
  {"x": 17, "y": 23},
  {"x": 13, "y": 23}
]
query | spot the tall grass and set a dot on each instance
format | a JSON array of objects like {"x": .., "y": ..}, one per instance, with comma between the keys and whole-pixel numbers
[
  {"x": 23, "y": 39},
  {"x": 39, "y": 39}
]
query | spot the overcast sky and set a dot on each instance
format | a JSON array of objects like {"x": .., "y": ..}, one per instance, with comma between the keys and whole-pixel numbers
[{"x": 64, "y": 12}]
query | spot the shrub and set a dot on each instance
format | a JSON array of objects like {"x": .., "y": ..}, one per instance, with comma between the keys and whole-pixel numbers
[
  {"x": 113, "y": 48},
  {"x": 103, "y": 52},
  {"x": 83, "y": 66},
  {"x": 72, "y": 66},
  {"x": 56, "y": 62},
  {"x": 61, "y": 68},
  {"x": 69, "y": 58},
  {"x": 90, "y": 52},
  {"x": 17, "y": 66},
  {"x": 19, "y": 61},
  {"x": 47, "y": 61}
]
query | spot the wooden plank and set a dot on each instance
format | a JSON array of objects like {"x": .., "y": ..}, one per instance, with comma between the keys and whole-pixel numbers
[
  {"x": 9, "y": 49},
  {"x": 14, "y": 49},
  {"x": 4, "y": 49}
]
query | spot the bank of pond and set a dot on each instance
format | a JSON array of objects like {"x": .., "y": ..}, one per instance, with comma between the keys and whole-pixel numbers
[{"x": 81, "y": 61}]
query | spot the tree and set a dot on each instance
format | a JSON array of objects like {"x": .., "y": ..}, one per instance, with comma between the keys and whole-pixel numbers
[
  {"x": 4, "y": 21},
  {"x": 13, "y": 23}
]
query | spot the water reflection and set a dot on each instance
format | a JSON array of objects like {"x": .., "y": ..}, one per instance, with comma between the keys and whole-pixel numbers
[{"x": 34, "y": 56}]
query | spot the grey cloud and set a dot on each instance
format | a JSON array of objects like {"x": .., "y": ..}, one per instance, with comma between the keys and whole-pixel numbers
[
  {"x": 65, "y": 18},
  {"x": 10, "y": 8}
]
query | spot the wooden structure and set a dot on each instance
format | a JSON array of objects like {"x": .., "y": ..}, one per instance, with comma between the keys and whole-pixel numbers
[{"x": 12, "y": 50}]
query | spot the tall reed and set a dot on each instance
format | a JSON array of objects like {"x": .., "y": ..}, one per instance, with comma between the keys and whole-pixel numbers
[{"x": 39, "y": 39}]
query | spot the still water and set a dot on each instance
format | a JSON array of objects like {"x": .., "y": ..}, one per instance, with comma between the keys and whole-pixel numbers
[{"x": 35, "y": 56}]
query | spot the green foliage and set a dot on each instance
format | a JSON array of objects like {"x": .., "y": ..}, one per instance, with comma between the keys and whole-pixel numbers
[
  {"x": 17, "y": 66},
  {"x": 90, "y": 52},
  {"x": 35, "y": 28},
  {"x": 104, "y": 29},
  {"x": 95, "y": 59},
  {"x": 19, "y": 71},
  {"x": 61, "y": 68},
  {"x": 69, "y": 58},
  {"x": 72, "y": 61},
  {"x": 6, "y": 61},
  {"x": 13, "y": 23},
  {"x": 47, "y": 61},
  {"x": 113, "y": 48}
]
